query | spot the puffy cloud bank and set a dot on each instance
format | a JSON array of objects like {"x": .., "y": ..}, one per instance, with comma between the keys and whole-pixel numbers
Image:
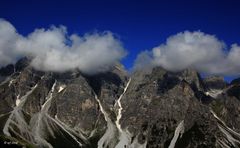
[
  {"x": 55, "y": 50},
  {"x": 195, "y": 50}
]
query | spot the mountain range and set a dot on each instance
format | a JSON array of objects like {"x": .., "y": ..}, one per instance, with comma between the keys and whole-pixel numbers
[{"x": 148, "y": 108}]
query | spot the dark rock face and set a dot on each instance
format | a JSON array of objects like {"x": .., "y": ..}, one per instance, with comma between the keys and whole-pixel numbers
[
  {"x": 76, "y": 106},
  {"x": 6, "y": 71},
  {"x": 193, "y": 78},
  {"x": 215, "y": 82},
  {"x": 157, "y": 109},
  {"x": 228, "y": 105},
  {"x": 235, "y": 81},
  {"x": 108, "y": 86},
  {"x": 22, "y": 63},
  {"x": 37, "y": 98},
  {"x": 234, "y": 89}
]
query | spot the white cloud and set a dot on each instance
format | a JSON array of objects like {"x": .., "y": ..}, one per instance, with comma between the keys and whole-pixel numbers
[
  {"x": 8, "y": 38},
  {"x": 144, "y": 61},
  {"x": 54, "y": 50},
  {"x": 195, "y": 50}
]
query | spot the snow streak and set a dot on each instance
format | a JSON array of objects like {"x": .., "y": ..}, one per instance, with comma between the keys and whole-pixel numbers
[
  {"x": 214, "y": 92},
  {"x": 230, "y": 134},
  {"x": 119, "y": 116},
  {"x": 37, "y": 130},
  {"x": 43, "y": 116},
  {"x": 17, "y": 119},
  {"x": 178, "y": 132},
  {"x": 111, "y": 129}
]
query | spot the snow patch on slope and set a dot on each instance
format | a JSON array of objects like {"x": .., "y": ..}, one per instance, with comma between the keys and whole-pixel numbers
[
  {"x": 214, "y": 92},
  {"x": 111, "y": 129},
  {"x": 17, "y": 100},
  {"x": 124, "y": 140},
  {"x": 10, "y": 82},
  {"x": 178, "y": 132},
  {"x": 61, "y": 88},
  {"x": 49, "y": 98}
]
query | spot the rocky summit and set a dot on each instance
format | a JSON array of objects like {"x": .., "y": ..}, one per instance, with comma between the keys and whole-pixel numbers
[{"x": 153, "y": 109}]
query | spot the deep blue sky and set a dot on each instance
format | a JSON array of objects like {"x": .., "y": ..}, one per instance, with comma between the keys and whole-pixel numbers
[{"x": 140, "y": 24}]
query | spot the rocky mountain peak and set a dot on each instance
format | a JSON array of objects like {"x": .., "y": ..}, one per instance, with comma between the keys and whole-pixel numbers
[{"x": 215, "y": 82}]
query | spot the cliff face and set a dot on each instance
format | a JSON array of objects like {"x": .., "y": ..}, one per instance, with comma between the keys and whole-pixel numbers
[
  {"x": 164, "y": 107},
  {"x": 146, "y": 109}
]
